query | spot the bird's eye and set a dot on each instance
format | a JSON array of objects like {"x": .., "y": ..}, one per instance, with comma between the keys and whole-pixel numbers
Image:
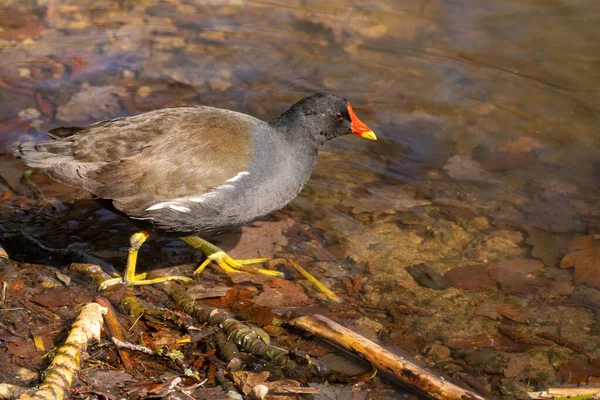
[{"x": 338, "y": 116}]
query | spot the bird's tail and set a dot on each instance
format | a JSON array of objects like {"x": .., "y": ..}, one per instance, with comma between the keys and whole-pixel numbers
[{"x": 45, "y": 154}]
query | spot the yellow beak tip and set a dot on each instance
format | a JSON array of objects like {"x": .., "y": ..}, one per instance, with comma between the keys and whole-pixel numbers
[{"x": 369, "y": 135}]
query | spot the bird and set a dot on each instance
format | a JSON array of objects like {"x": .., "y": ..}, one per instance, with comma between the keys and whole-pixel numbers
[{"x": 196, "y": 171}]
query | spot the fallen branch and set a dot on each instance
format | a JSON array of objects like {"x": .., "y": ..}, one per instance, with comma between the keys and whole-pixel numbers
[
  {"x": 58, "y": 378},
  {"x": 410, "y": 374},
  {"x": 241, "y": 334}
]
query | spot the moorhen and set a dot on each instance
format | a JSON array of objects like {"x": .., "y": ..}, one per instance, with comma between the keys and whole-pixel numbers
[{"x": 194, "y": 171}]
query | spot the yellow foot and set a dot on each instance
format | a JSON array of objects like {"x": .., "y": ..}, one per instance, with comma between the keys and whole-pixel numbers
[
  {"x": 139, "y": 280},
  {"x": 129, "y": 277},
  {"x": 223, "y": 260}
]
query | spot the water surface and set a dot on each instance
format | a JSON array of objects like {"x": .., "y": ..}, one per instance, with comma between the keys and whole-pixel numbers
[{"x": 488, "y": 157}]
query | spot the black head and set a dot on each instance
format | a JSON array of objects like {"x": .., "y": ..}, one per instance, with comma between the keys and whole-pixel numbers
[{"x": 325, "y": 116}]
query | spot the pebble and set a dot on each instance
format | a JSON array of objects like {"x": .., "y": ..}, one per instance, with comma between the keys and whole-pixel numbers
[
  {"x": 144, "y": 91},
  {"x": 29, "y": 113},
  {"x": 480, "y": 223}
]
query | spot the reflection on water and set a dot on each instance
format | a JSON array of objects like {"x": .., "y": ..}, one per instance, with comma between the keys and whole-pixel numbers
[{"x": 488, "y": 158}]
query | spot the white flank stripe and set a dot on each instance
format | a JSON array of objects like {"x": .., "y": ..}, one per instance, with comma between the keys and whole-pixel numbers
[
  {"x": 170, "y": 204},
  {"x": 179, "y": 208},
  {"x": 204, "y": 197},
  {"x": 158, "y": 206},
  {"x": 238, "y": 176}
]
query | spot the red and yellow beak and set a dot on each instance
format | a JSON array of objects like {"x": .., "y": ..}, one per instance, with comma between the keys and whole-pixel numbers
[{"x": 358, "y": 127}]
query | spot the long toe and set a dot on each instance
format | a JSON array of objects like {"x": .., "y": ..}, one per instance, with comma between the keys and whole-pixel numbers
[{"x": 139, "y": 280}]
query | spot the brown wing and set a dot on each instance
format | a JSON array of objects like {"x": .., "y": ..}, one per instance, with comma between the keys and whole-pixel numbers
[{"x": 159, "y": 156}]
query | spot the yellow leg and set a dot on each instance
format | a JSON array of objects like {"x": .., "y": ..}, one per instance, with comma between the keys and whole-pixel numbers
[
  {"x": 229, "y": 265},
  {"x": 129, "y": 277}
]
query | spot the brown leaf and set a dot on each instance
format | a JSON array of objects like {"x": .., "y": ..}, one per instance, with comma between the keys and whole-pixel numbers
[
  {"x": 94, "y": 102},
  {"x": 546, "y": 245},
  {"x": 487, "y": 308},
  {"x": 513, "y": 312},
  {"x": 167, "y": 337},
  {"x": 463, "y": 167},
  {"x": 246, "y": 380},
  {"x": 56, "y": 297},
  {"x": 576, "y": 371},
  {"x": 584, "y": 255},
  {"x": 473, "y": 278},
  {"x": 507, "y": 155},
  {"x": 516, "y": 275},
  {"x": 22, "y": 348},
  {"x": 281, "y": 292},
  {"x": 258, "y": 239}
]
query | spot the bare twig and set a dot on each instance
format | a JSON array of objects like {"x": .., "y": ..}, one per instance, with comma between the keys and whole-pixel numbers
[
  {"x": 419, "y": 379},
  {"x": 115, "y": 329},
  {"x": 130, "y": 346}
]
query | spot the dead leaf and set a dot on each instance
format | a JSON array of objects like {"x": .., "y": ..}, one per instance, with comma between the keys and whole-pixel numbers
[
  {"x": 576, "y": 371},
  {"x": 546, "y": 245},
  {"x": 257, "y": 240},
  {"x": 516, "y": 276},
  {"x": 107, "y": 382},
  {"x": 488, "y": 309},
  {"x": 517, "y": 366},
  {"x": 513, "y": 312},
  {"x": 95, "y": 102},
  {"x": 281, "y": 292},
  {"x": 56, "y": 297},
  {"x": 463, "y": 167},
  {"x": 473, "y": 278},
  {"x": 22, "y": 348},
  {"x": 511, "y": 154},
  {"x": 246, "y": 380},
  {"x": 167, "y": 337},
  {"x": 584, "y": 255}
]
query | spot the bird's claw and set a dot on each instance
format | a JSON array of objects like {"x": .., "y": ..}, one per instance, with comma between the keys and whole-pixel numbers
[{"x": 231, "y": 265}]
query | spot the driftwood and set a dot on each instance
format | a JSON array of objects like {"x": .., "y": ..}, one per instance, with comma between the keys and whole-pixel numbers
[
  {"x": 410, "y": 374},
  {"x": 59, "y": 376}
]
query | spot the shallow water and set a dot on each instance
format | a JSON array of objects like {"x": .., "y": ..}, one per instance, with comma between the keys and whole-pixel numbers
[{"x": 487, "y": 116}]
